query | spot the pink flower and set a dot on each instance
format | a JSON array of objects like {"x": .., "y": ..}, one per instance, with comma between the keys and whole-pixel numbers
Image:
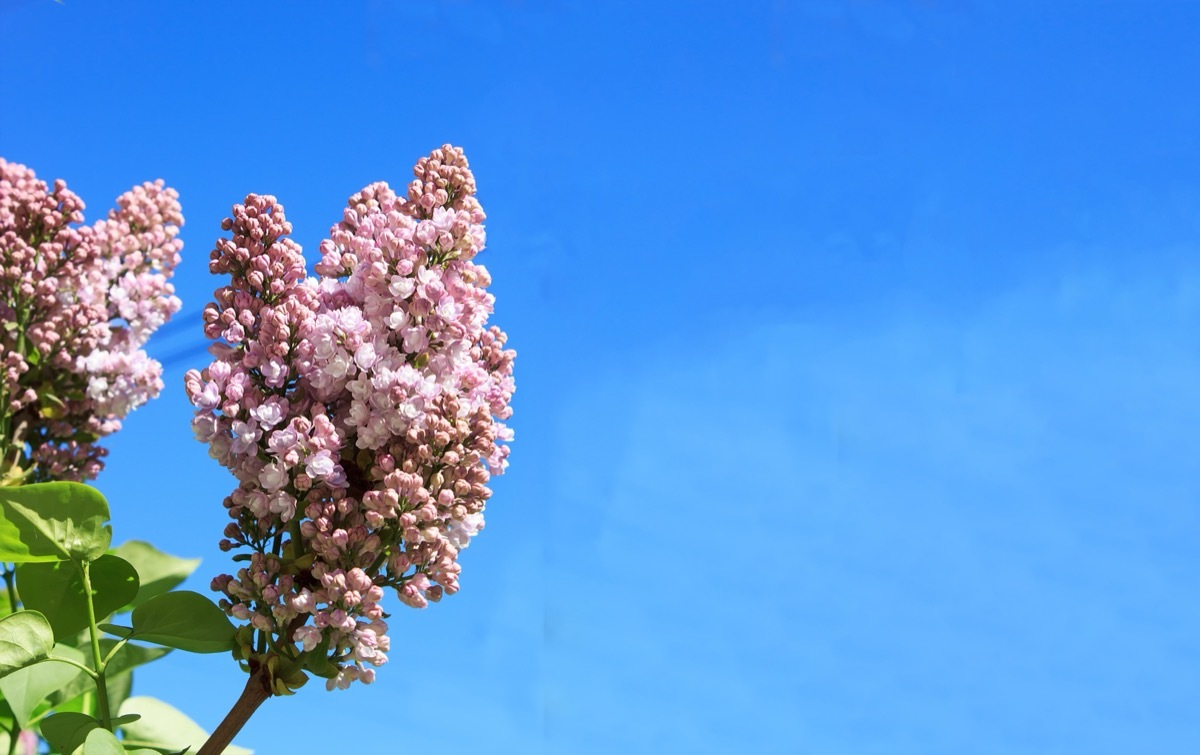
[
  {"x": 361, "y": 412},
  {"x": 319, "y": 465},
  {"x": 273, "y": 477},
  {"x": 82, "y": 302},
  {"x": 308, "y": 637},
  {"x": 270, "y": 413}
]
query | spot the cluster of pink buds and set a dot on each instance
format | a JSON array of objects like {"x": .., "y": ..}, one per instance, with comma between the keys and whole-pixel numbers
[
  {"x": 361, "y": 412},
  {"x": 77, "y": 304}
]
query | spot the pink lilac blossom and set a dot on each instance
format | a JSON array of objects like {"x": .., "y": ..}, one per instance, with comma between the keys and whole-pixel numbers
[
  {"x": 361, "y": 411},
  {"x": 77, "y": 304}
]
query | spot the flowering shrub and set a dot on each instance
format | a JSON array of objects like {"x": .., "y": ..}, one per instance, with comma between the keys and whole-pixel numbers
[
  {"x": 77, "y": 304},
  {"x": 361, "y": 413}
]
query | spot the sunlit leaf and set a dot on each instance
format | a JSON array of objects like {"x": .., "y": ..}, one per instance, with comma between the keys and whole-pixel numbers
[
  {"x": 53, "y": 521},
  {"x": 25, "y": 639}
]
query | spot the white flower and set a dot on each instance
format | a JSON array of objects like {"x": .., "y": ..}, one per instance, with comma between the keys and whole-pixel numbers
[
  {"x": 268, "y": 414},
  {"x": 319, "y": 465},
  {"x": 273, "y": 477},
  {"x": 282, "y": 440},
  {"x": 283, "y": 504},
  {"x": 364, "y": 356},
  {"x": 337, "y": 367},
  {"x": 460, "y": 532},
  {"x": 401, "y": 287}
]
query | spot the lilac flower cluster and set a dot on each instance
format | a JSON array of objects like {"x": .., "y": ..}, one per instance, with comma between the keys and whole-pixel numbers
[
  {"x": 77, "y": 304},
  {"x": 361, "y": 412}
]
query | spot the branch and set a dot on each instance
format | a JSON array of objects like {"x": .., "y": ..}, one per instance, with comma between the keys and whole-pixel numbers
[{"x": 258, "y": 689}]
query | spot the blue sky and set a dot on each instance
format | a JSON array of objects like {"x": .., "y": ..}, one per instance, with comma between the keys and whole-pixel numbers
[{"x": 858, "y": 405}]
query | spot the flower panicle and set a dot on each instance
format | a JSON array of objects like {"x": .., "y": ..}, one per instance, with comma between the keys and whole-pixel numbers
[
  {"x": 362, "y": 411},
  {"x": 78, "y": 303}
]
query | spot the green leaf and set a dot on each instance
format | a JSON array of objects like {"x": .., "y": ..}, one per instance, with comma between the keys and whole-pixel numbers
[
  {"x": 66, "y": 731},
  {"x": 56, "y": 590},
  {"x": 162, "y": 726},
  {"x": 53, "y": 521},
  {"x": 25, "y": 639},
  {"x": 102, "y": 742},
  {"x": 25, "y": 689},
  {"x": 159, "y": 572},
  {"x": 116, "y": 630},
  {"x": 185, "y": 620}
]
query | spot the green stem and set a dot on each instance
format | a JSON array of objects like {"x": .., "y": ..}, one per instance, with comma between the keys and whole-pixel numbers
[
  {"x": 90, "y": 672},
  {"x": 383, "y": 556},
  {"x": 297, "y": 538},
  {"x": 13, "y": 735},
  {"x": 101, "y": 686},
  {"x": 9, "y": 573},
  {"x": 116, "y": 649}
]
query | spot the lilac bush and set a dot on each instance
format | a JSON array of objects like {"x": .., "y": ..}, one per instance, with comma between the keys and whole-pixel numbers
[{"x": 362, "y": 412}]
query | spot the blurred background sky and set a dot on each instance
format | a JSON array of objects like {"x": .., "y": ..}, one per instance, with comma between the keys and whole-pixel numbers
[{"x": 858, "y": 399}]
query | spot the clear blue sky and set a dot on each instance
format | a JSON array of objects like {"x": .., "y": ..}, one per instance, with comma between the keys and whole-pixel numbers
[{"x": 858, "y": 397}]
